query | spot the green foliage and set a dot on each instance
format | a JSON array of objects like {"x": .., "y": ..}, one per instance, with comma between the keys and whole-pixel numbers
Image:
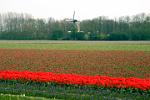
[
  {"x": 103, "y": 36},
  {"x": 56, "y": 35},
  {"x": 118, "y": 36},
  {"x": 77, "y": 36},
  {"x": 16, "y": 36},
  {"x": 68, "y": 92}
]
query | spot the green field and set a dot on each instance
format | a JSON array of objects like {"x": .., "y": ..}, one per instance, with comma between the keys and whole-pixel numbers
[{"x": 78, "y": 45}]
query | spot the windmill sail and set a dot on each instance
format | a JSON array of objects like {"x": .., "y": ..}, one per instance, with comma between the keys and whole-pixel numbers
[{"x": 73, "y": 15}]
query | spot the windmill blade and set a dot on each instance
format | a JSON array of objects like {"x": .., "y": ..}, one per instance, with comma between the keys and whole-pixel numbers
[
  {"x": 73, "y": 15},
  {"x": 68, "y": 20}
]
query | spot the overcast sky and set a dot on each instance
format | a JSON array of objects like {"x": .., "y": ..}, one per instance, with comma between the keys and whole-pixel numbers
[{"x": 85, "y": 9}]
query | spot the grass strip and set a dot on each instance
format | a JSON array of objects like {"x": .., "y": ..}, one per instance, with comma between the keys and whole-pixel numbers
[
  {"x": 79, "y": 46},
  {"x": 21, "y": 97}
]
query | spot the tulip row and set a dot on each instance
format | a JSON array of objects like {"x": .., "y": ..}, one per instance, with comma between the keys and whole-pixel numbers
[{"x": 104, "y": 81}]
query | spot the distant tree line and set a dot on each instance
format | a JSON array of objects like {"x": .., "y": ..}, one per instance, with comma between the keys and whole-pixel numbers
[{"x": 14, "y": 26}]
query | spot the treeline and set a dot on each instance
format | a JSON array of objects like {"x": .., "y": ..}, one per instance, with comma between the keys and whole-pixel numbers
[{"x": 14, "y": 26}]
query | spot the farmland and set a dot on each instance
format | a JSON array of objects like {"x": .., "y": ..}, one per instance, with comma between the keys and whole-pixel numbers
[
  {"x": 113, "y": 59},
  {"x": 110, "y": 63}
]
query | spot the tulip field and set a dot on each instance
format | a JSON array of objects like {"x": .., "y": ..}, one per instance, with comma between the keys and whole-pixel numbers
[{"x": 76, "y": 70}]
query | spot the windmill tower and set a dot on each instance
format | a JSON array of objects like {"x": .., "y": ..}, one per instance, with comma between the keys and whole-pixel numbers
[{"x": 76, "y": 23}]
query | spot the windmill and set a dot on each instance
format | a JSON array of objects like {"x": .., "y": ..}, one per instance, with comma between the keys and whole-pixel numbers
[{"x": 75, "y": 22}]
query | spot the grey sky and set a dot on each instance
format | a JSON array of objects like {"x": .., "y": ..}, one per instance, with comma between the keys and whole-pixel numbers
[{"x": 85, "y": 9}]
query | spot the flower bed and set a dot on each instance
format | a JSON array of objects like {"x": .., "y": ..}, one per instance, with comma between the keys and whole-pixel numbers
[
  {"x": 106, "y": 63},
  {"x": 101, "y": 81}
]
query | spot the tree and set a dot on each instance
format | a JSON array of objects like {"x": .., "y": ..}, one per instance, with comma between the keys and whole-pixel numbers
[{"x": 24, "y": 26}]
